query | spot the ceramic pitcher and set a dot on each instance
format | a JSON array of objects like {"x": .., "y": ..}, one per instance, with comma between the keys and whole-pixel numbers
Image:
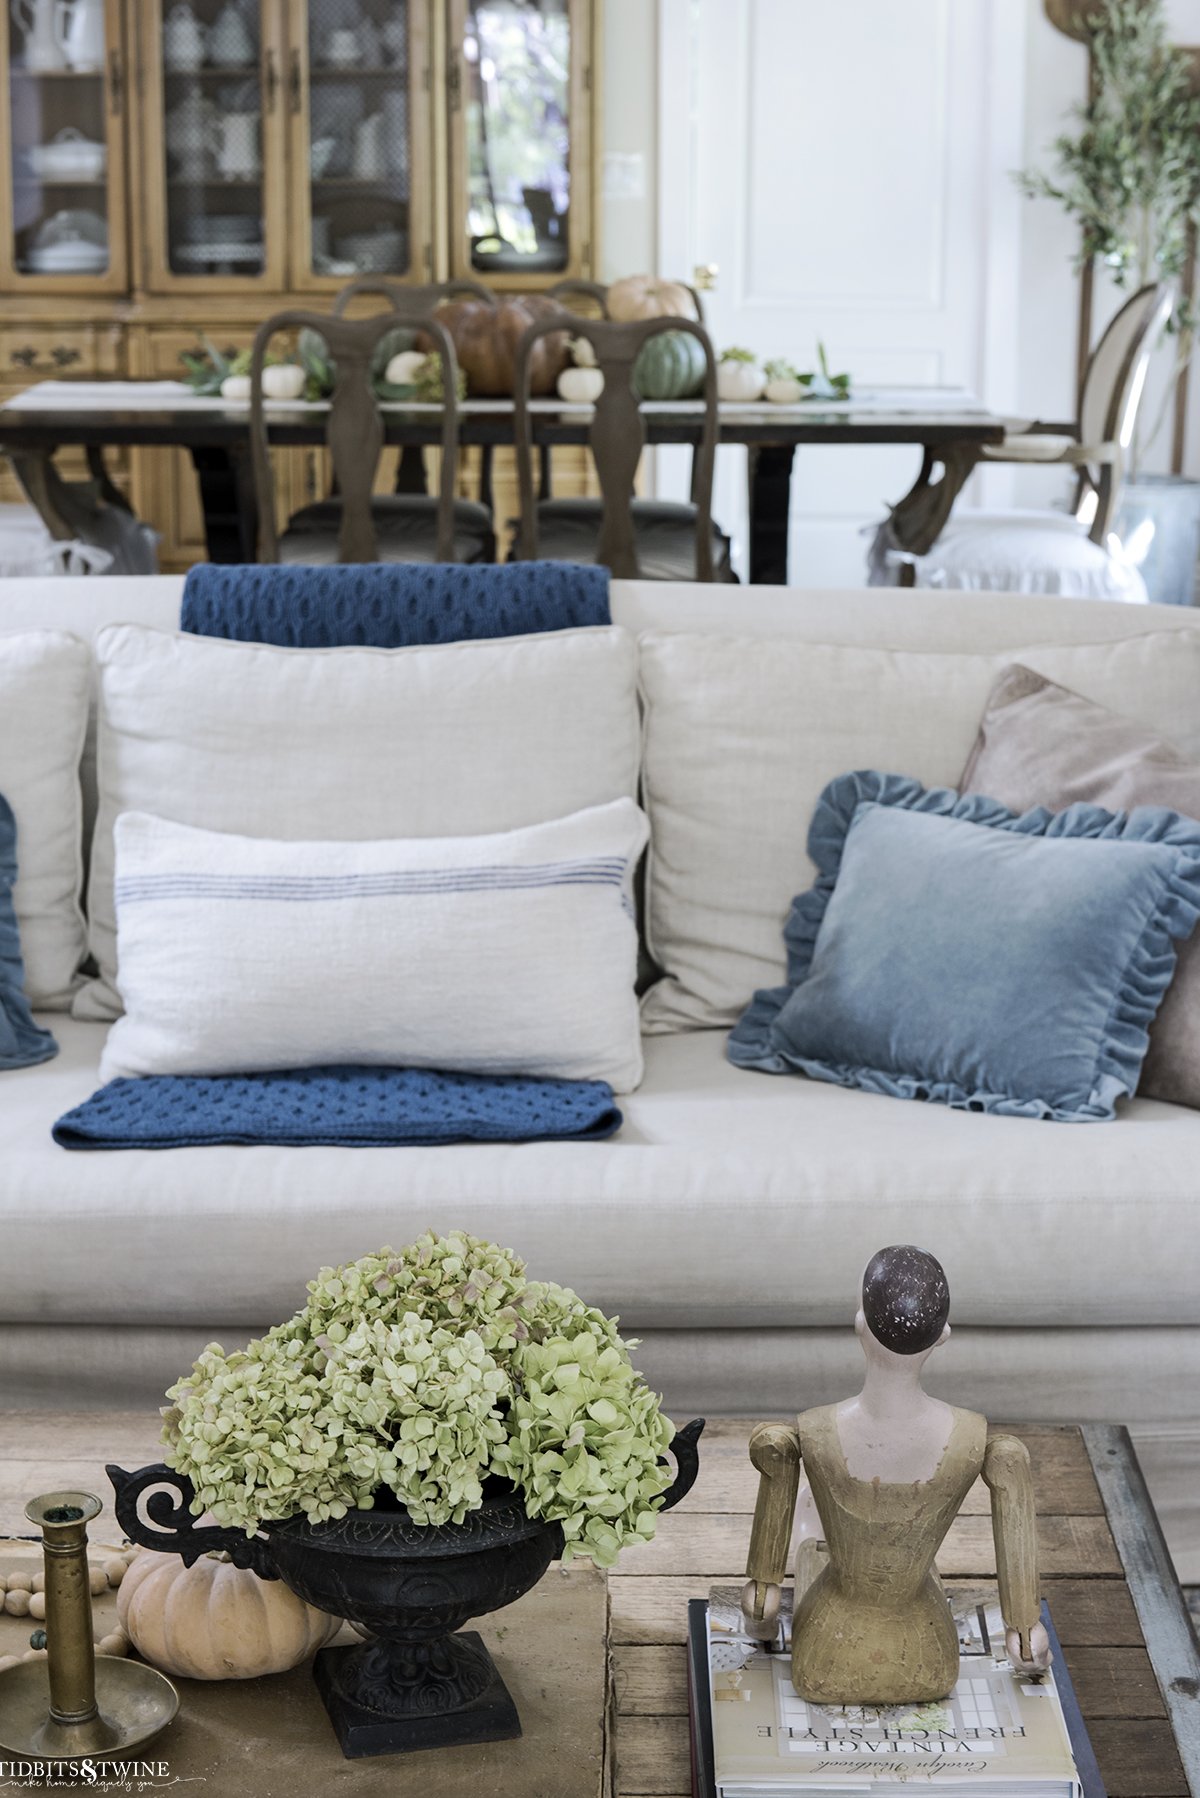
[
  {"x": 34, "y": 19},
  {"x": 184, "y": 40},
  {"x": 237, "y": 145},
  {"x": 79, "y": 32}
]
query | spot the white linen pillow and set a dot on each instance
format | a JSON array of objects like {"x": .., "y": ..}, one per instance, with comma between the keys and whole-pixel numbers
[
  {"x": 742, "y": 735},
  {"x": 353, "y": 744},
  {"x": 513, "y": 953},
  {"x": 44, "y": 682}
]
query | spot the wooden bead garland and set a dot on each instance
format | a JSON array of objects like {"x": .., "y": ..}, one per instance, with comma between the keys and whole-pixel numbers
[{"x": 23, "y": 1595}]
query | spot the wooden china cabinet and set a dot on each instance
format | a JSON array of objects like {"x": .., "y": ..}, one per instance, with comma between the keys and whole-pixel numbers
[{"x": 177, "y": 167}]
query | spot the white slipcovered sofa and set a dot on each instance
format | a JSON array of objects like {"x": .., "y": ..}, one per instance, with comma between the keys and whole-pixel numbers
[{"x": 730, "y": 1219}]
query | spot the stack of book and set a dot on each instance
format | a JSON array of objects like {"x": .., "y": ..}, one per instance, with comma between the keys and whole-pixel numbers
[{"x": 997, "y": 1735}]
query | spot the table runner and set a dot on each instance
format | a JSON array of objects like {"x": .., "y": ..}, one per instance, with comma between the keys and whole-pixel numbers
[{"x": 173, "y": 396}]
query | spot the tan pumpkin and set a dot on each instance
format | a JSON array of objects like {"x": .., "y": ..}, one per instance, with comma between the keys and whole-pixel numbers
[
  {"x": 485, "y": 339},
  {"x": 215, "y": 1620},
  {"x": 646, "y": 296}
]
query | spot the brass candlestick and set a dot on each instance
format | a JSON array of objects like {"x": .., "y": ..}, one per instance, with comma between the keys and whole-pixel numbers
[{"x": 75, "y": 1705}]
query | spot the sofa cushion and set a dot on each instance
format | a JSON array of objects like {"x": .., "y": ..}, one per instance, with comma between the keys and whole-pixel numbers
[
  {"x": 743, "y": 734},
  {"x": 44, "y": 682},
  {"x": 725, "y": 1202},
  {"x": 353, "y": 743},
  {"x": 1040, "y": 744},
  {"x": 511, "y": 953},
  {"x": 957, "y": 952},
  {"x": 22, "y": 1042}
]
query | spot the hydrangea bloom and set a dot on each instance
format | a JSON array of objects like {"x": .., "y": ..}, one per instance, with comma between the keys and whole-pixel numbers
[{"x": 424, "y": 1372}]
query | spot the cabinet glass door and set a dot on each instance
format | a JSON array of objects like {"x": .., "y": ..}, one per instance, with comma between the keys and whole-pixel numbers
[
  {"x": 359, "y": 91},
  {"x": 63, "y": 101},
  {"x": 519, "y": 117},
  {"x": 216, "y": 72}
]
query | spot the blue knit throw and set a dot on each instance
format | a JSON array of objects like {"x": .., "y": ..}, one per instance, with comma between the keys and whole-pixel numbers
[
  {"x": 349, "y": 1107},
  {"x": 390, "y": 605}
]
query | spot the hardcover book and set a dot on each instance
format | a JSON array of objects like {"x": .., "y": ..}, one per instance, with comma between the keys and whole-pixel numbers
[{"x": 996, "y": 1734}]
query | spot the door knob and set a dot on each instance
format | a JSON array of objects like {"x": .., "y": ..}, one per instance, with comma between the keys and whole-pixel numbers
[{"x": 704, "y": 276}]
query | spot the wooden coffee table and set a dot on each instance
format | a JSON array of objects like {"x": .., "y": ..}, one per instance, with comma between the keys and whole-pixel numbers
[{"x": 1118, "y": 1611}]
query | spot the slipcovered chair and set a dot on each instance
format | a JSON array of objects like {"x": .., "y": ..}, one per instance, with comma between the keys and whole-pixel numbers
[
  {"x": 639, "y": 539},
  {"x": 355, "y": 524},
  {"x": 1074, "y": 553}
]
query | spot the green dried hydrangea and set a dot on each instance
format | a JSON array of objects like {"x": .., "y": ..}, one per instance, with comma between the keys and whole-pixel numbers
[{"x": 424, "y": 1372}]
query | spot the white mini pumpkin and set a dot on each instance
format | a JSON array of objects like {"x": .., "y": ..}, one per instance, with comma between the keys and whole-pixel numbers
[
  {"x": 782, "y": 390},
  {"x": 404, "y": 368},
  {"x": 283, "y": 381},
  {"x": 236, "y": 388},
  {"x": 739, "y": 381},
  {"x": 582, "y": 386},
  {"x": 215, "y": 1620}
]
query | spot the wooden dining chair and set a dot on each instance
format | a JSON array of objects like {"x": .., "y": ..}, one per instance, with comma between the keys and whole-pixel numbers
[
  {"x": 643, "y": 539},
  {"x": 355, "y": 524},
  {"x": 410, "y": 470}
]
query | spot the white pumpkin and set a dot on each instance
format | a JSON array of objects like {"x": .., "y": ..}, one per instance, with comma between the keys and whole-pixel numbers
[
  {"x": 782, "y": 390},
  {"x": 739, "y": 381},
  {"x": 404, "y": 368},
  {"x": 215, "y": 1620},
  {"x": 646, "y": 296},
  {"x": 282, "y": 381},
  {"x": 582, "y": 386},
  {"x": 236, "y": 388}
]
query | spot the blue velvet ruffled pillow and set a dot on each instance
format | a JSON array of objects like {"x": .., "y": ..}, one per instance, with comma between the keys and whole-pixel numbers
[
  {"x": 952, "y": 950},
  {"x": 22, "y": 1042}
]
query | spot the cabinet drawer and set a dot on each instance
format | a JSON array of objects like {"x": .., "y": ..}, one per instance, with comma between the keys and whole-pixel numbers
[{"x": 30, "y": 353}]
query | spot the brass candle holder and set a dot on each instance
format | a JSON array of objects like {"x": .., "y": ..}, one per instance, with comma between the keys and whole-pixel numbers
[{"x": 77, "y": 1705}]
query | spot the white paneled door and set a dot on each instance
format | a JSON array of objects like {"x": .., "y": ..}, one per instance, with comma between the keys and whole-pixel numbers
[{"x": 847, "y": 165}]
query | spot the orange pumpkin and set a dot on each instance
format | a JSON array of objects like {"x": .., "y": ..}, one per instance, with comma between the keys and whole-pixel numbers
[
  {"x": 485, "y": 339},
  {"x": 646, "y": 296}
]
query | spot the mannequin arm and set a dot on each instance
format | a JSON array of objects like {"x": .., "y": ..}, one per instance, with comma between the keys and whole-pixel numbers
[
  {"x": 775, "y": 1451},
  {"x": 1014, "y": 1528}
]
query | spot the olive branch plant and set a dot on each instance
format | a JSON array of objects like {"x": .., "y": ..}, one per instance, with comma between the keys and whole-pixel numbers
[{"x": 1130, "y": 172}]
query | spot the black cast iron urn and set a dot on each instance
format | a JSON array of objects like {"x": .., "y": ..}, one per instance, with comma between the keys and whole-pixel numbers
[{"x": 423, "y": 1682}]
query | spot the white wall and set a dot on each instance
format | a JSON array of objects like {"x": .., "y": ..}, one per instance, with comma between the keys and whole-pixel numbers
[{"x": 628, "y": 138}]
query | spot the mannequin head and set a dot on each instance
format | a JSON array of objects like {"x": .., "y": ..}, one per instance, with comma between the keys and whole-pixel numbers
[{"x": 905, "y": 1306}]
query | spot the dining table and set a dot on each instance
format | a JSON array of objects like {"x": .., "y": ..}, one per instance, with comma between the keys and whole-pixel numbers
[{"x": 948, "y": 425}]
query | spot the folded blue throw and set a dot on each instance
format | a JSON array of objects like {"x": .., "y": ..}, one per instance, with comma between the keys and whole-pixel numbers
[
  {"x": 390, "y": 605},
  {"x": 349, "y": 1107}
]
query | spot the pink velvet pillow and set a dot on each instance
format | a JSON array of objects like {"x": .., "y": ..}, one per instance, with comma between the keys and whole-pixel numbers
[{"x": 1041, "y": 744}]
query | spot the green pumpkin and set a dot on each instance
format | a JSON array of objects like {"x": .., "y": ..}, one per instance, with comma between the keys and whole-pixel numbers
[{"x": 670, "y": 366}]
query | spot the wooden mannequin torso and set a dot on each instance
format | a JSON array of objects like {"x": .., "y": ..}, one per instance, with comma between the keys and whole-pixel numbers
[
  {"x": 879, "y": 1586},
  {"x": 887, "y": 1472}
]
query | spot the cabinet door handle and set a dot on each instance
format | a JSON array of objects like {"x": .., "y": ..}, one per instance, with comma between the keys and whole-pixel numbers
[
  {"x": 295, "y": 83},
  {"x": 62, "y": 357},
  {"x": 454, "y": 84},
  {"x": 116, "y": 82},
  {"x": 270, "y": 82},
  {"x": 24, "y": 358}
]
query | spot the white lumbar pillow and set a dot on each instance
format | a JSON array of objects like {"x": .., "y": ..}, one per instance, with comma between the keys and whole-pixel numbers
[
  {"x": 513, "y": 953},
  {"x": 743, "y": 734},
  {"x": 354, "y": 744},
  {"x": 44, "y": 682}
]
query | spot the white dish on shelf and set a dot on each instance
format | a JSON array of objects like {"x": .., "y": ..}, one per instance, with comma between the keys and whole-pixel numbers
[
  {"x": 67, "y": 259},
  {"x": 222, "y": 227},
  {"x": 219, "y": 252},
  {"x": 70, "y": 156}
]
